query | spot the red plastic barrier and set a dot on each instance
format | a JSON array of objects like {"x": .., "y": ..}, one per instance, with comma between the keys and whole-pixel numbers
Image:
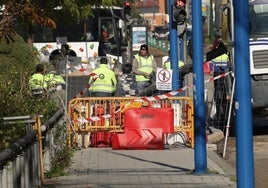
[
  {"x": 144, "y": 128},
  {"x": 101, "y": 139},
  {"x": 139, "y": 139},
  {"x": 150, "y": 118}
]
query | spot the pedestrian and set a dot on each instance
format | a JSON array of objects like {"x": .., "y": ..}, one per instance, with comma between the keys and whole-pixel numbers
[
  {"x": 183, "y": 67},
  {"x": 144, "y": 68},
  {"x": 105, "y": 34},
  {"x": 56, "y": 87},
  {"x": 102, "y": 47},
  {"x": 103, "y": 83},
  {"x": 37, "y": 82}
]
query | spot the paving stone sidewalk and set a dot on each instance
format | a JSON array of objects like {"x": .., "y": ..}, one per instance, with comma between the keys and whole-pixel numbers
[{"x": 172, "y": 167}]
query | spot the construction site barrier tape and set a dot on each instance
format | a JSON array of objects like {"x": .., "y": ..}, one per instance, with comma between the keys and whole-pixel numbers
[
  {"x": 146, "y": 99},
  {"x": 152, "y": 98}
]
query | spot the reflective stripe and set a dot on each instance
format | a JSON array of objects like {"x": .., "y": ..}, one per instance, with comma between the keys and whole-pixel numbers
[
  {"x": 34, "y": 92},
  {"x": 102, "y": 88}
]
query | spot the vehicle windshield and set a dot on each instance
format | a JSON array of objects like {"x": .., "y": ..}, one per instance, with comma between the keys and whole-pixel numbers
[{"x": 258, "y": 18}]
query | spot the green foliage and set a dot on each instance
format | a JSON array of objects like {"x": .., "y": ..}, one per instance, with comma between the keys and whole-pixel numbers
[
  {"x": 10, "y": 133},
  {"x": 41, "y": 106},
  {"x": 78, "y": 10},
  {"x": 42, "y": 12},
  {"x": 61, "y": 160},
  {"x": 17, "y": 63}
]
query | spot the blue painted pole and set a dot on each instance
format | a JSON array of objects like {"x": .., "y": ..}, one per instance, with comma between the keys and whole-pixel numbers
[
  {"x": 181, "y": 47},
  {"x": 199, "y": 103},
  {"x": 244, "y": 135},
  {"x": 173, "y": 48}
]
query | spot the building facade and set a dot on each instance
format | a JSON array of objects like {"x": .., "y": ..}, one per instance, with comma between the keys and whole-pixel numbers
[{"x": 154, "y": 12}]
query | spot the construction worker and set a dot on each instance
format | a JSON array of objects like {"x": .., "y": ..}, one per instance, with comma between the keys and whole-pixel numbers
[
  {"x": 54, "y": 80},
  {"x": 103, "y": 83},
  {"x": 167, "y": 65},
  {"x": 56, "y": 87},
  {"x": 222, "y": 60},
  {"x": 144, "y": 67},
  {"x": 37, "y": 81}
]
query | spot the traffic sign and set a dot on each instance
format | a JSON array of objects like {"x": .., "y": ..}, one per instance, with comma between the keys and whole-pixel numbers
[{"x": 164, "y": 79}]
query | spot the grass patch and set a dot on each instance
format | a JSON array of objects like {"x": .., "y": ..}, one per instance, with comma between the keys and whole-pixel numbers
[{"x": 60, "y": 162}]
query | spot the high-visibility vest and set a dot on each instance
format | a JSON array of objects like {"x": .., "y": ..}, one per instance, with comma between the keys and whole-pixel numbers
[
  {"x": 53, "y": 79},
  {"x": 221, "y": 58},
  {"x": 37, "y": 82},
  {"x": 106, "y": 80},
  {"x": 168, "y": 64},
  {"x": 144, "y": 65}
]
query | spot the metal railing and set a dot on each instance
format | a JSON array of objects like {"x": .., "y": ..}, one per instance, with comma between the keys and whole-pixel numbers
[
  {"x": 23, "y": 163},
  {"x": 20, "y": 162},
  {"x": 160, "y": 44}
]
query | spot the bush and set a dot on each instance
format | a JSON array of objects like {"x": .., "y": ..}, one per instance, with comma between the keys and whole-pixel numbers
[
  {"x": 17, "y": 63},
  {"x": 16, "y": 66}
]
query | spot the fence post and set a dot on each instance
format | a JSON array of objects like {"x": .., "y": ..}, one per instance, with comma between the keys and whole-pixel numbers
[{"x": 39, "y": 139}]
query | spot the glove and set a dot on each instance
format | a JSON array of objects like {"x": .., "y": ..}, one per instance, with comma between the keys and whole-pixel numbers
[{"x": 146, "y": 75}]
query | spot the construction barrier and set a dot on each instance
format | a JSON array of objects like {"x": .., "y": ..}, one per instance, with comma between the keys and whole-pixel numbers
[
  {"x": 93, "y": 121},
  {"x": 145, "y": 128}
]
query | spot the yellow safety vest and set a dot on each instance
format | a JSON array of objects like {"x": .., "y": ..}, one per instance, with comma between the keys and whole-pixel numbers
[
  {"x": 144, "y": 65},
  {"x": 221, "y": 58},
  {"x": 37, "y": 82},
  {"x": 54, "y": 79},
  {"x": 168, "y": 64},
  {"x": 106, "y": 81}
]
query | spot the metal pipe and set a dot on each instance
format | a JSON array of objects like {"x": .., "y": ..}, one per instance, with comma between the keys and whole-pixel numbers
[
  {"x": 244, "y": 132},
  {"x": 173, "y": 48},
  {"x": 228, "y": 121},
  {"x": 199, "y": 103}
]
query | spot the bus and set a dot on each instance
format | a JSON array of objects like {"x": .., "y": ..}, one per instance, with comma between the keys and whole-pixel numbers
[
  {"x": 258, "y": 52},
  {"x": 100, "y": 35}
]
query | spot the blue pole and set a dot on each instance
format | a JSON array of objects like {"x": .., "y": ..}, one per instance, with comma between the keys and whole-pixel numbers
[
  {"x": 199, "y": 103},
  {"x": 244, "y": 138},
  {"x": 173, "y": 48},
  {"x": 181, "y": 47}
]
